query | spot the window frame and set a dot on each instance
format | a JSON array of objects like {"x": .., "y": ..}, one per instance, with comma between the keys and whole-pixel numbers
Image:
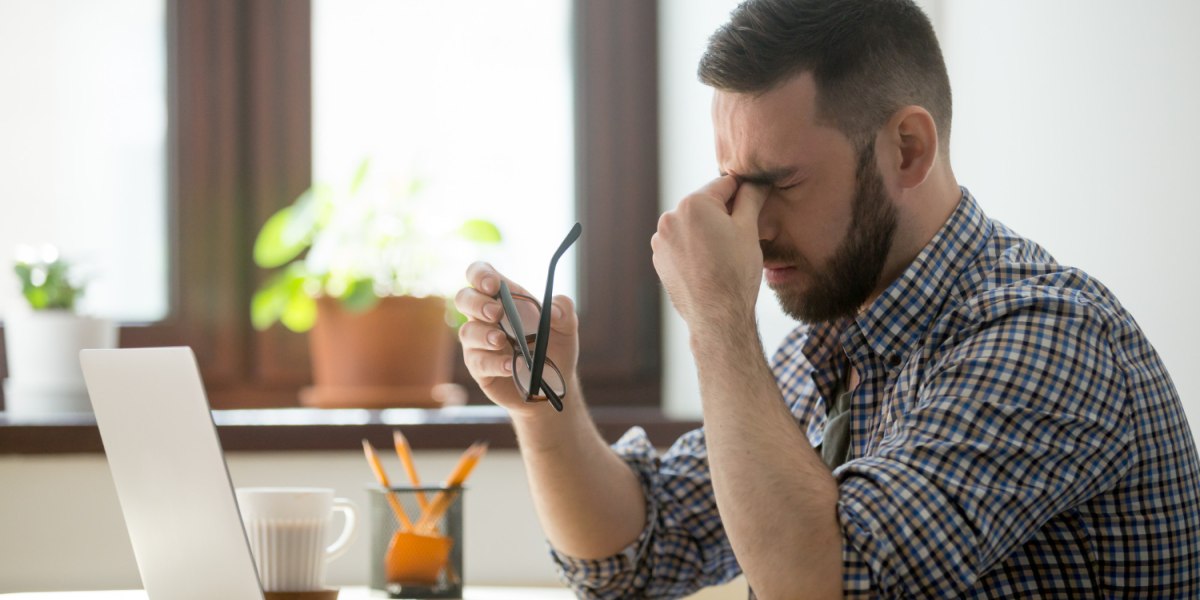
[{"x": 240, "y": 147}]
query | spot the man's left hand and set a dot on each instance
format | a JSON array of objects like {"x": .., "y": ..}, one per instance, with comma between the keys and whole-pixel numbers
[{"x": 707, "y": 252}]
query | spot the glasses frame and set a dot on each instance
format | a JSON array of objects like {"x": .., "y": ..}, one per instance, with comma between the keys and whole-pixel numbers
[
  {"x": 521, "y": 353},
  {"x": 537, "y": 362}
]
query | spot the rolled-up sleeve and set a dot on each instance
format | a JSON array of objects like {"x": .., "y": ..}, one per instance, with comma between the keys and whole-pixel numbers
[
  {"x": 1017, "y": 422},
  {"x": 682, "y": 547}
]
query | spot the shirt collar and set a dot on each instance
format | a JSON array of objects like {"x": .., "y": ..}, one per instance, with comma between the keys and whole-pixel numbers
[{"x": 892, "y": 324}]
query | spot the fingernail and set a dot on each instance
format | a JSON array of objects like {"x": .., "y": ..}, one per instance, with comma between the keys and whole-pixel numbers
[
  {"x": 491, "y": 311},
  {"x": 490, "y": 285},
  {"x": 495, "y": 338},
  {"x": 508, "y": 367},
  {"x": 556, "y": 312}
]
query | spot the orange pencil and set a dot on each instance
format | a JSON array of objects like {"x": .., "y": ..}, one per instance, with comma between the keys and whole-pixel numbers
[
  {"x": 404, "y": 451},
  {"x": 381, "y": 476},
  {"x": 441, "y": 502}
]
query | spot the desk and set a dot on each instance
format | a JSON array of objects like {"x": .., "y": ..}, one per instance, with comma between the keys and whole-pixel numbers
[{"x": 347, "y": 593}]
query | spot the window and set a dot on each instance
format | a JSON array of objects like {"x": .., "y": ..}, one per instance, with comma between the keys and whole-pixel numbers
[
  {"x": 240, "y": 145},
  {"x": 474, "y": 99},
  {"x": 83, "y": 154}
]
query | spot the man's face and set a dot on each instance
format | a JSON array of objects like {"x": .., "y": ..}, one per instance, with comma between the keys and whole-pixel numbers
[{"x": 827, "y": 225}]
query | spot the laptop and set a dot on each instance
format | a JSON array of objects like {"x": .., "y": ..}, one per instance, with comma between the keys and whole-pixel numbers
[{"x": 170, "y": 474}]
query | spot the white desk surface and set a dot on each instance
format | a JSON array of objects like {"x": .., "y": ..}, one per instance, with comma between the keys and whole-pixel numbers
[{"x": 347, "y": 593}]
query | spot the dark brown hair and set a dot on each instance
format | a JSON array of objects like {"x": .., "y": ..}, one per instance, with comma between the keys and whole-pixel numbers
[{"x": 868, "y": 59}]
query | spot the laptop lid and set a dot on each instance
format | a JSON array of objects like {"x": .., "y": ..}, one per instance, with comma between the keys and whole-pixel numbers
[{"x": 170, "y": 474}]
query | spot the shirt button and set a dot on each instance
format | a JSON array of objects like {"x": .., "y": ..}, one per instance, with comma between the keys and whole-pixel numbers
[{"x": 893, "y": 361}]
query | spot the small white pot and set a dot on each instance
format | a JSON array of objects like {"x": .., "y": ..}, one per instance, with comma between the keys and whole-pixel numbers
[{"x": 43, "y": 347}]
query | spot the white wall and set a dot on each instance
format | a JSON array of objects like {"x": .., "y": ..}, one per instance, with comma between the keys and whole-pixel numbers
[
  {"x": 1075, "y": 123},
  {"x": 61, "y": 525}
]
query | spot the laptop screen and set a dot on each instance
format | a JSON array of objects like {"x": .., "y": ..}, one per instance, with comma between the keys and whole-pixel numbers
[{"x": 170, "y": 474}]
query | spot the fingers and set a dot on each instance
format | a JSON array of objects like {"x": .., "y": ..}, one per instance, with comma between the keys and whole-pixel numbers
[
  {"x": 477, "y": 335},
  {"x": 484, "y": 365},
  {"x": 562, "y": 316},
  {"x": 479, "y": 301},
  {"x": 748, "y": 202},
  {"x": 485, "y": 350},
  {"x": 477, "y": 305},
  {"x": 484, "y": 277},
  {"x": 721, "y": 189}
]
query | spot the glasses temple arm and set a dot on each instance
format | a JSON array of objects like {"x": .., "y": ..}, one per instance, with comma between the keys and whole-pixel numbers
[
  {"x": 543, "y": 336},
  {"x": 514, "y": 321}
]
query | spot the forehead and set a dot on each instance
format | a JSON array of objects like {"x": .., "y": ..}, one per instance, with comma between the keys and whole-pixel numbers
[{"x": 773, "y": 130}]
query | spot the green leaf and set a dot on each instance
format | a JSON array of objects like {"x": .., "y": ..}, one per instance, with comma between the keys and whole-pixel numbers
[
  {"x": 272, "y": 247},
  {"x": 37, "y": 297},
  {"x": 268, "y": 303},
  {"x": 415, "y": 186},
  {"x": 480, "y": 232},
  {"x": 360, "y": 175},
  {"x": 360, "y": 296},
  {"x": 454, "y": 318},
  {"x": 300, "y": 314},
  {"x": 271, "y": 300},
  {"x": 290, "y": 231}
]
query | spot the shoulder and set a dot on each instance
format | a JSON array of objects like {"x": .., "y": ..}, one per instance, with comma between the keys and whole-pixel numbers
[
  {"x": 1016, "y": 284},
  {"x": 1023, "y": 326}
]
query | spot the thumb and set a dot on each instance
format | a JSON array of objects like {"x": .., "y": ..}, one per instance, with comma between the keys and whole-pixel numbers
[
  {"x": 563, "y": 318},
  {"x": 748, "y": 203}
]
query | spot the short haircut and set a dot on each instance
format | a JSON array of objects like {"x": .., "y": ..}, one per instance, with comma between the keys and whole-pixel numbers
[{"x": 868, "y": 58}]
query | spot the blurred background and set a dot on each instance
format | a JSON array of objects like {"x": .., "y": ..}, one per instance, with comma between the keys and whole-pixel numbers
[{"x": 149, "y": 140}]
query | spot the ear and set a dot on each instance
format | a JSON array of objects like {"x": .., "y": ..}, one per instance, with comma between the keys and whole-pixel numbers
[{"x": 909, "y": 146}]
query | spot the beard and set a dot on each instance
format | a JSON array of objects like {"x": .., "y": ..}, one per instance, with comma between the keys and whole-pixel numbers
[{"x": 840, "y": 288}]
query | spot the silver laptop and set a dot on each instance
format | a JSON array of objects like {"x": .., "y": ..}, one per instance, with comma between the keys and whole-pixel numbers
[{"x": 170, "y": 474}]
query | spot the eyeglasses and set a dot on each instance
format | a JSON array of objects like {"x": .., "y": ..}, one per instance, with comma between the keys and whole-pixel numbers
[{"x": 522, "y": 314}]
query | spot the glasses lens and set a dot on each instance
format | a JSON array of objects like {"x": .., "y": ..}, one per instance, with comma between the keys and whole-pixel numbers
[
  {"x": 550, "y": 376},
  {"x": 530, "y": 315}
]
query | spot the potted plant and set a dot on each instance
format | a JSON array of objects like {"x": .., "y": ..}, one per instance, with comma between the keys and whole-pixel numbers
[
  {"x": 43, "y": 340},
  {"x": 363, "y": 268}
]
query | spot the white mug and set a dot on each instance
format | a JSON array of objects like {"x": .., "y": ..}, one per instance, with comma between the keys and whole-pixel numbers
[{"x": 287, "y": 529}]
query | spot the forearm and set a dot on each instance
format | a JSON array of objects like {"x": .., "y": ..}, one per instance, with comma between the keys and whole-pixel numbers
[
  {"x": 589, "y": 501},
  {"x": 777, "y": 500}
]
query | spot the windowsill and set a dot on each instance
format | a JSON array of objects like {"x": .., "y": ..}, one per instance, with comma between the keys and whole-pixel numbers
[{"x": 292, "y": 429}]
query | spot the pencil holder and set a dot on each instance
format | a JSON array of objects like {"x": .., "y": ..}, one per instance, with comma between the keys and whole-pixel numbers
[{"x": 422, "y": 561}]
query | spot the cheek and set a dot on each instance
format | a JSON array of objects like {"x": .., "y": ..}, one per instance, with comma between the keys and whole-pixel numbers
[{"x": 810, "y": 224}]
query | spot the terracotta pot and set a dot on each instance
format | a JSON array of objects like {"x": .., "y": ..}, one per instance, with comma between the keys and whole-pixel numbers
[{"x": 398, "y": 354}]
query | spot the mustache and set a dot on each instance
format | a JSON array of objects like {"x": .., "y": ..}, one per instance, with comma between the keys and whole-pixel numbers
[{"x": 774, "y": 252}]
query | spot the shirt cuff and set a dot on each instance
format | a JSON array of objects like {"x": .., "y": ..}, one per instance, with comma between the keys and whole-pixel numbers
[
  {"x": 614, "y": 576},
  {"x": 857, "y": 580}
]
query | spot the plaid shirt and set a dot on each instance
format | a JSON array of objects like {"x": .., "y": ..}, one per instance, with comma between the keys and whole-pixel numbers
[{"x": 1014, "y": 436}]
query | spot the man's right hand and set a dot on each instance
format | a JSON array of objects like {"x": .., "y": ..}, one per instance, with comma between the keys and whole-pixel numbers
[{"x": 487, "y": 352}]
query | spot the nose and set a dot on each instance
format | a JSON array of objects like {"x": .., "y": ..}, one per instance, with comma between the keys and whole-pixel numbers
[{"x": 768, "y": 222}]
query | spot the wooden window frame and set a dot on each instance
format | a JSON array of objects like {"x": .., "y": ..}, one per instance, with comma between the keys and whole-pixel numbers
[{"x": 240, "y": 147}]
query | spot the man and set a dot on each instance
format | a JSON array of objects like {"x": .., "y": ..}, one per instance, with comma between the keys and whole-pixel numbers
[{"x": 956, "y": 416}]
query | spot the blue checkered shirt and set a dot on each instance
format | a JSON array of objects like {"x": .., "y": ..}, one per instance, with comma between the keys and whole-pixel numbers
[{"x": 1014, "y": 436}]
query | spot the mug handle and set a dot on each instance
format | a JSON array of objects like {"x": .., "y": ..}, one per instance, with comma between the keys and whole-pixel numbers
[{"x": 342, "y": 543}]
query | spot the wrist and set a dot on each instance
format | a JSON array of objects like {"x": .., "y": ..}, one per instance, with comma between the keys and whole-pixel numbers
[
  {"x": 540, "y": 414},
  {"x": 546, "y": 431},
  {"x": 735, "y": 332}
]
